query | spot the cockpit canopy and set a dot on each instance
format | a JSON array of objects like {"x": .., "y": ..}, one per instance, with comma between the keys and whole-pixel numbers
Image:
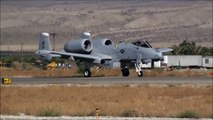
[{"x": 142, "y": 43}]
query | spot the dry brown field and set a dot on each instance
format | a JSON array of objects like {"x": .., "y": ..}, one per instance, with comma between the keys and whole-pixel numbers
[
  {"x": 144, "y": 100},
  {"x": 162, "y": 23},
  {"x": 36, "y": 72}
]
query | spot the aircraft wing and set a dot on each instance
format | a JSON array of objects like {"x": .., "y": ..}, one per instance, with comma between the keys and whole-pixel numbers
[
  {"x": 163, "y": 50},
  {"x": 95, "y": 58}
]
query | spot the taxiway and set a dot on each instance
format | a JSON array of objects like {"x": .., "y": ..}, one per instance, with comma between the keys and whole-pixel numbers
[{"x": 112, "y": 80}]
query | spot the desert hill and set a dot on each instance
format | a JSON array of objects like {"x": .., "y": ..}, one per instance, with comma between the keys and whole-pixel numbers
[{"x": 162, "y": 23}]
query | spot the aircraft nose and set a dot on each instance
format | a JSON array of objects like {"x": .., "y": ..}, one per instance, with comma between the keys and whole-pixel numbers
[{"x": 160, "y": 56}]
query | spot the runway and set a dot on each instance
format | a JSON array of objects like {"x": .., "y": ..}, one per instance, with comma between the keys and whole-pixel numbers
[{"x": 113, "y": 80}]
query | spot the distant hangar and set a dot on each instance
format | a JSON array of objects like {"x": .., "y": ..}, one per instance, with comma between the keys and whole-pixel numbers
[
  {"x": 208, "y": 62},
  {"x": 183, "y": 61}
]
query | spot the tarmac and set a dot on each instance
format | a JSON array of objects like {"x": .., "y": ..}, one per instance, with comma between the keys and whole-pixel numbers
[
  {"x": 92, "y": 118},
  {"x": 112, "y": 80}
]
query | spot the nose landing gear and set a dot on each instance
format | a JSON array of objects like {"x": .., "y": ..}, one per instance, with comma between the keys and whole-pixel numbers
[
  {"x": 138, "y": 66},
  {"x": 140, "y": 74},
  {"x": 138, "y": 69}
]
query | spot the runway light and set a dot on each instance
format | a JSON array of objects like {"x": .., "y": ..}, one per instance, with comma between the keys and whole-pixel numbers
[
  {"x": 97, "y": 113},
  {"x": 6, "y": 81}
]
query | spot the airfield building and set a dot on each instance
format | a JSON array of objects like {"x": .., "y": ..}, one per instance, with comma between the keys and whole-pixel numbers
[
  {"x": 183, "y": 61},
  {"x": 208, "y": 62}
]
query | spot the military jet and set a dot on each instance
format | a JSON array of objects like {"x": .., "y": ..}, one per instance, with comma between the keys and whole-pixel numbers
[{"x": 92, "y": 52}]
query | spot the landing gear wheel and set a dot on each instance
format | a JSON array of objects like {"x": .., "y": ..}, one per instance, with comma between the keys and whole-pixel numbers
[
  {"x": 140, "y": 74},
  {"x": 87, "y": 73},
  {"x": 125, "y": 72}
]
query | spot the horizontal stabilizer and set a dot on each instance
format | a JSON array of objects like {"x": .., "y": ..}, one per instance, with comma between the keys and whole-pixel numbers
[{"x": 163, "y": 50}]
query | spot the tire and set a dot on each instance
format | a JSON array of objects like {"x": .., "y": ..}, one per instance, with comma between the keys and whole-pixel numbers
[
  {"x": 125, "y": 72},
  {"x": 87, "y": 73},
  {"x": 140, "y": 74}
]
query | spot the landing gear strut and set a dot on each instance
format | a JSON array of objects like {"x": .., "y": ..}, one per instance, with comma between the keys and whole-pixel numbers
[
  {"x": 138, "y": 66},
  {"x": 139, "y": 70}
]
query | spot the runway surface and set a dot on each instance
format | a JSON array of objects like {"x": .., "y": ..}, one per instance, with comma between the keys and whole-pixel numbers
[
  {"x": 113, "y": 80},
  {"x": 10, "y": 117}
]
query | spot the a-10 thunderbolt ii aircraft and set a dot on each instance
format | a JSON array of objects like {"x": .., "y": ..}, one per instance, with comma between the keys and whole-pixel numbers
[{"x": 99, "y": 51}]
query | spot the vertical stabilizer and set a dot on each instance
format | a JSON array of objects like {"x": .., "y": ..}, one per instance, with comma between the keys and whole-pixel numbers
[{"x": 44, "y": 42}]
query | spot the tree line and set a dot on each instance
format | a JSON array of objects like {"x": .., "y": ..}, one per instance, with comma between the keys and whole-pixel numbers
[{"x": 190, "y": 48}]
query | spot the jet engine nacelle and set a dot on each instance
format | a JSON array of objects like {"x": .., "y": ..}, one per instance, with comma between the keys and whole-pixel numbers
[
  {"x": 99, "y": 61},
  {"x": 103, "y": 42},
  {"x": 78, "y": 46}
]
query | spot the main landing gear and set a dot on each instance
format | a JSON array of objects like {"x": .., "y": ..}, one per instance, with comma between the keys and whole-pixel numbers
[
  {"x": 85, "y": 67},
  {"x": 87, "y": 73},
  {"x": 138, "y": 66},
  {"x": 125, "y": 71}
]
